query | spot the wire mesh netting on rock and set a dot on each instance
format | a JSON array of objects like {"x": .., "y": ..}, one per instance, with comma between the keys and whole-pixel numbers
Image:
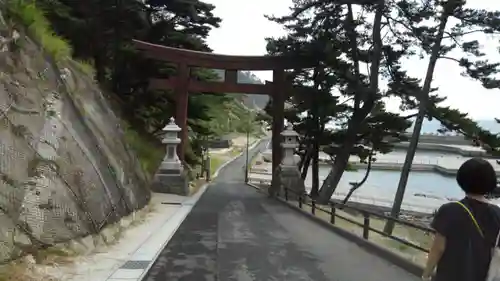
[{"x": 65, "y": 169}]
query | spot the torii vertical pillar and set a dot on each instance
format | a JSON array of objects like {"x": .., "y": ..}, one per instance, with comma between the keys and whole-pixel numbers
[
  {"x": 181, "y": 106},
  {"x": 278, "y": 105}
]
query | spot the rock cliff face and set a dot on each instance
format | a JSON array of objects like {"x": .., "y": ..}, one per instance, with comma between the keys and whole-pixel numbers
[{"x": 65, "y": 168}]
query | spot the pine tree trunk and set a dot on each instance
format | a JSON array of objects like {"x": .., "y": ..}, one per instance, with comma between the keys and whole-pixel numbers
[
  {"x": 369, "y": 97},
  {"x": 339, "y": 164},
  {"x": 315, "y": 168},
  {"x": 317, "y": 132},
  {"x": 357, "y": 185},
  {"x": 422, "y": 110},
  {"x": 305, "y": 166}
]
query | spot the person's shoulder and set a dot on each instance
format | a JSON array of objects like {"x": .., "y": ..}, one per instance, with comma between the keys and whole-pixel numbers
[
  {"x": 445, "y": 219},
  {"x": 495, "y": 208},
  {"x": 450, "y": 206},
  {"x": 448, "y": 210}
]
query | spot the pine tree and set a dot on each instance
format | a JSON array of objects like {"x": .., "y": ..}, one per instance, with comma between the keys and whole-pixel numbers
[
  {"x": 438, "y": 37},
  {"x": 355, "y": 43},
  {"x": 344, "y": 94}
]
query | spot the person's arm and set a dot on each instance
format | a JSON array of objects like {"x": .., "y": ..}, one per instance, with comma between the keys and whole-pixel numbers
[
  {"x": 442, "y": 224},
  {"x": 435, "y": 253}
]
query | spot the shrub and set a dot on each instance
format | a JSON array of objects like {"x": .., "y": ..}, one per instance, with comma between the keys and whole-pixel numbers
[
  {"x": 86, "y": 67},
  {"x": 33, "y": 18},
  {"x": 149, "y": 153}
]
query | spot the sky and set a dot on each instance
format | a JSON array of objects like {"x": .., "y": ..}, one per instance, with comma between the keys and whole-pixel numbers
[{"x": 244, "y": 28}]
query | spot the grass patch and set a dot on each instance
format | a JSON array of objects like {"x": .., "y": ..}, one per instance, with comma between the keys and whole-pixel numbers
[
  {"x": 195, "y": 185},
  {"x": 25, "y": 268},
  {"x": 235, "y": 151},
  {"x": 215, "y": 163},
  {"x": 85, "y": 67},
  {"x": 33, "y": 19},
  {"x": 16, "y": 271},
  {"x": 55, "y": 255},
  {"x": 149, "y": 152}
]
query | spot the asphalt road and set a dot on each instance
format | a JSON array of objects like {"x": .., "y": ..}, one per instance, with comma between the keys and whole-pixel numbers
[{"x": 236, "y": 233}]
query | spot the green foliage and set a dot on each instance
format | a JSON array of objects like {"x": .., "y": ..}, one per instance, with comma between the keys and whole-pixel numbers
[
  {"x": 233, "y": 117},
  {"x": 86, "y": 67},
  {"x": 378, "y": 37},
  {"x": 33, "y": 19},
  {"x": 457, "y": 45},
  {"x": 99, "y": 35},
  {"x": 215, "y": 163},
  {"x": 149, "y": 151},
  {"x": 335, "y": 91}
]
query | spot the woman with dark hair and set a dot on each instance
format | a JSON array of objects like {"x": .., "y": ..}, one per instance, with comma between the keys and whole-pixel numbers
[{"x": 466, "y": 231}]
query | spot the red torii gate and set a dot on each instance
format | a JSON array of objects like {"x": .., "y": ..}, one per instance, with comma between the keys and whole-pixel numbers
[{"x": 182, "y": 84}]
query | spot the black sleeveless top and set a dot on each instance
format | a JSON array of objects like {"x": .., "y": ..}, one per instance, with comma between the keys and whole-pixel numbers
[{"x": 467, "y": 254}]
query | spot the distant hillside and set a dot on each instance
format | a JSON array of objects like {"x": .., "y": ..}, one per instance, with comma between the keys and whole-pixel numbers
[{"x": 249, "y": 100}]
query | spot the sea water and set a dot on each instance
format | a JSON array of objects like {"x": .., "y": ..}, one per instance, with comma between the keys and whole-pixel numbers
[
  {"x": 383, "y": 185},
  {"x": 425, "y": 191}
]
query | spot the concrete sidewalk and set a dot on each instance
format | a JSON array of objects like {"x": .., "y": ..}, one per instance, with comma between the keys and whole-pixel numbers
[
  {"x": 135, "y": 251},
  {"x": 152, "y": 242}
]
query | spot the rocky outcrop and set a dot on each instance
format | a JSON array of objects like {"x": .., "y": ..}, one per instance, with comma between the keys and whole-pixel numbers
[{"x": 65, "y": 168}]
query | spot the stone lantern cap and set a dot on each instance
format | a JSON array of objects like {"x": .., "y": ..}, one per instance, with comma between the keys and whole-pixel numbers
[
  {"x": 289, "y": 132},
  {"x": 171, "y": 126}
]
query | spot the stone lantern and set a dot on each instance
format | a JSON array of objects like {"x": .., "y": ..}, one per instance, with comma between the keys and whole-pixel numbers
[
  {"x": 171, "y": 162},
  {"x": 289, "y": 144},
  {"x": 290, "y": 181},
  {"x": 170, "y": 177}
]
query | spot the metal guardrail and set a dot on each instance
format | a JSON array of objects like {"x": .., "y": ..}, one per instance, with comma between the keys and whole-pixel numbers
[{"x": 365, "y": 225}]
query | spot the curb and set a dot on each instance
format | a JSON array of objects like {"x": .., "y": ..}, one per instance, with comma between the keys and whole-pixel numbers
[
  {"x": 184, "y": 211},
  {"x": 190, "y": 203}
]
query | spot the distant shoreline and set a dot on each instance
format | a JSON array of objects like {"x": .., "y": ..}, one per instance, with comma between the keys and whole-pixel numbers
[
  {"x": 388, "y": 166},
  {"x": 392, "y": 166}
]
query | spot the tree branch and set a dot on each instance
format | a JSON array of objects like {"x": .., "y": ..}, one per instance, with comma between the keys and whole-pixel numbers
[
  {"x": 351, "y": 32},
  {"x": 311, "y": 5},
  {"x": 410, "y": 116},
  {"x": 450, "y": 35},
  {"x": 375, "y": 62},
  {"x": 356, "y": 185},
  {"x": 449, "y": 58},
  {"x": 452, "y": 38}
]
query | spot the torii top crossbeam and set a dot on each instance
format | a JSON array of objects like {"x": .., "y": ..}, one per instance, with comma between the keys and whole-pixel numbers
[{"x": 217, "y": 61}]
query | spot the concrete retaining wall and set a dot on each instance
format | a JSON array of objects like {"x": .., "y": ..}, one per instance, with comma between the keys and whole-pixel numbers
[
  {"x": 437, "y": 139},
  {"x": 414, "y": 167},
  {"x": 439, "y": 147}
]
